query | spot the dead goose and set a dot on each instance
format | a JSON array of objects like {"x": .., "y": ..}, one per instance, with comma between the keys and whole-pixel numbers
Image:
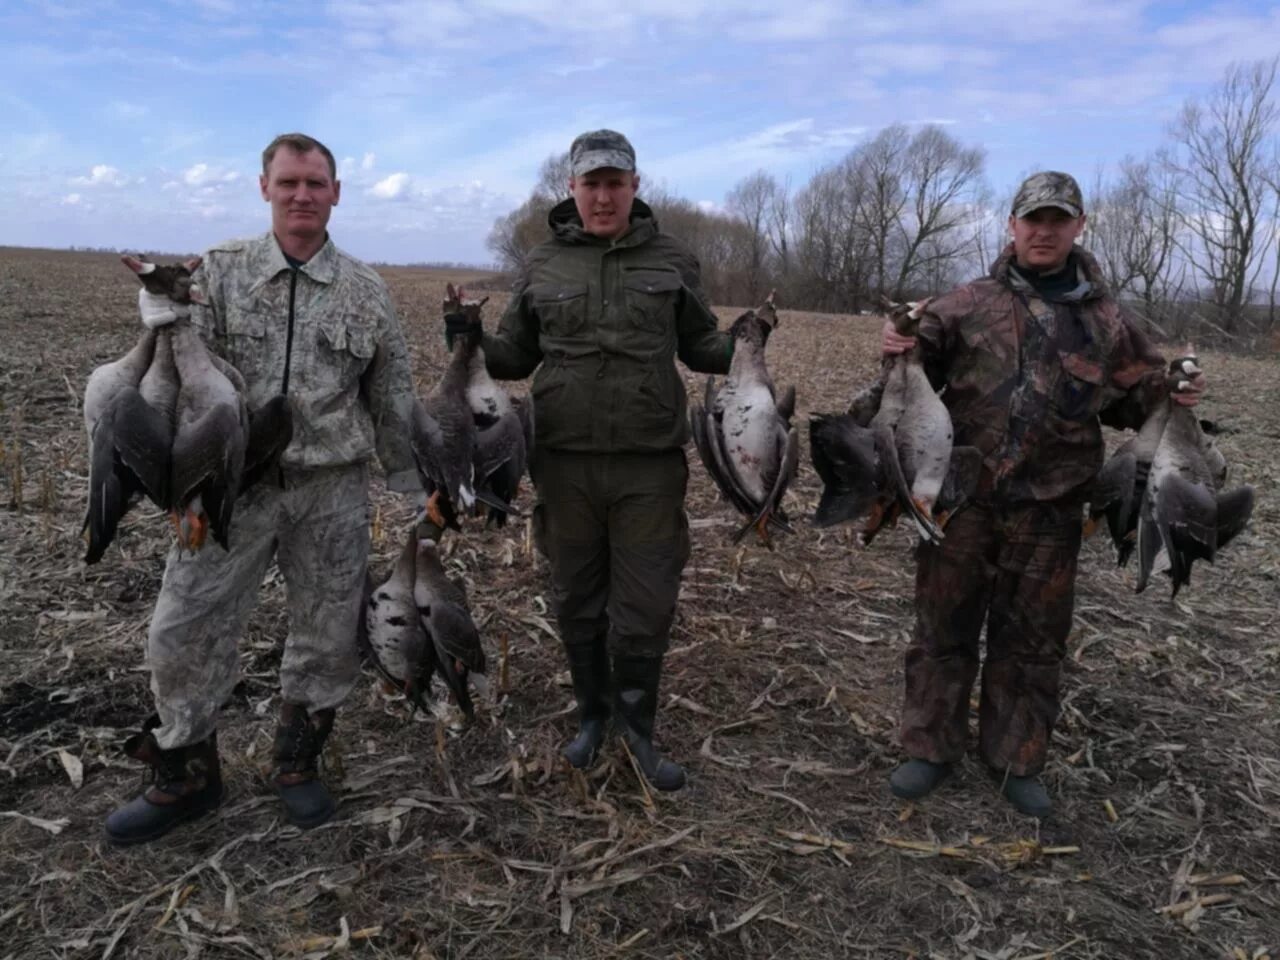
[
  {"x": 504, "y": 430},
  {"x": 446, "y": 621},
  {"x": 1184, "y": 516},
  {"x": 129, "y": 415},
  {"x": 855, "y": 472},
  {"x": 444, "y": 442},
  {"x": 1121, "y": 485},
  {"x": 743, "y": 431},
  {"x": 208, "y": 446},
  {"x": 913, "y": 428},
  {"x": 398, "y": 644}
]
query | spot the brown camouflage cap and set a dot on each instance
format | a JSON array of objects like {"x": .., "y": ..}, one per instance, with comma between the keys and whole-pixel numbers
[
  {"x": 601, "y": 148},
  {"x": 1049, "y": 189}
]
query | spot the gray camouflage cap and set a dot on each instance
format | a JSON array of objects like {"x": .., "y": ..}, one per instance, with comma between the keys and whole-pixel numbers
[
  {"x": 1048, "y": 189},
  {"x": 601, "y": 148}
]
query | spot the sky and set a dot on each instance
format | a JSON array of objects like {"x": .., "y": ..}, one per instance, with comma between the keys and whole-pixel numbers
[{"x": 140, "y": 125}]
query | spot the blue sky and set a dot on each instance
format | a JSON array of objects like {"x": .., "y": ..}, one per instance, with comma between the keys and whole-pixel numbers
[{"x": 141, "y": 124}]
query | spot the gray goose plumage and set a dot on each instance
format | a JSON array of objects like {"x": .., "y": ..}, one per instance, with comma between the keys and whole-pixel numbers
[
  {"x": 912, "y": 429},
  {"x": 743, "y": 431},
  {"x": 504, "y": 428},
  {"x": 397, "y": 641},
  {"x": 446, "y": 622},
  {"x": 1121, "y": 486},
  {"x": 128, "y": 444},
  {"x": 1184, "y": 515},
  {"x": 208, "y": 446}
]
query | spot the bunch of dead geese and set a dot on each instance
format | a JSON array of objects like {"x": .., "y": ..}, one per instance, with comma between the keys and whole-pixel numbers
[
  {"x": 168, "y": 421},
  {"x": 892, "y": 454}
]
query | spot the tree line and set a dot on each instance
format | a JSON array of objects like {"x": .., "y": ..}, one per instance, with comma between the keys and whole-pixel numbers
[{"x": 1188, "y": 236}]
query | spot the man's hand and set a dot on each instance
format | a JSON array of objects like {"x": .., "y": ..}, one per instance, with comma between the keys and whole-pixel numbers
[
  {"x": 461, "y": 316},
  {"x": 157, "y": 310},
  {"x": 892, "y": 342},
  {"x": 457, "y": 325},
  {"x": 1186, "y": 381},
  {"x": 1188, "y": 392}
]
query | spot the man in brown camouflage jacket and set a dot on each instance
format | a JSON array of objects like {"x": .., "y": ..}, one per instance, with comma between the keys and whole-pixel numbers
[
  {"x": 1033, "y": 359},
  {"x": 296, "y": 316}
]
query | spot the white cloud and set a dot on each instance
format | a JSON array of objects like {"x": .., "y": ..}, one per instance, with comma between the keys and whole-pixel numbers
[
  {"x": 390, "y": 187},
  {"x": 71, "y": 199},
  {"x": 368, "y": 161},
  {"x": 101, "y": 175},
  {"x": 201, "y": 174}
]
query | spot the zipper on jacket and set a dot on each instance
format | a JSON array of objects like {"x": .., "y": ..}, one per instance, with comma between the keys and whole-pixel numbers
[{"x": 288, "y": 343}]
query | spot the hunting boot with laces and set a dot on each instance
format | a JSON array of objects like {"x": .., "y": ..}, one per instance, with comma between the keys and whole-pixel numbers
[
  {"x": 589, "y": 669},
  {"x": 187, "y": 782},
  {"x": 300, "y": 738},
  {"x": 635, "y": 685}
]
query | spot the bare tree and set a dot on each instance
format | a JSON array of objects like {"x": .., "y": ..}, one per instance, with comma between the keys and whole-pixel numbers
[
  {"x": 514, "y": 235},
  {"x": 875, "y": 176},
  {"x": 944, "y": 189},
  {"x": 751, "y": 201},
  {"x": 1133, "y": 230},
  {"x": 1221, "y": 160}
]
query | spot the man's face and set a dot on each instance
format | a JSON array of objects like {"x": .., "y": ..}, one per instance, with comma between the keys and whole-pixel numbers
[
  {"x": 604, "y": 199},
  {"x": 1043, "y": 238},
  {"x": 301, "y": 192}
]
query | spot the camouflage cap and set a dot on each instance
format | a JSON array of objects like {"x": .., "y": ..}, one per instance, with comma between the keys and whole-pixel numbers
[
  {"x": 601, "y": 148},
  {"x": 1049, "y": 189}
]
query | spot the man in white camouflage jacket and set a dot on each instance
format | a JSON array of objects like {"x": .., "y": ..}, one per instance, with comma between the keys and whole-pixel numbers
[{"x": 297, "y": 316}]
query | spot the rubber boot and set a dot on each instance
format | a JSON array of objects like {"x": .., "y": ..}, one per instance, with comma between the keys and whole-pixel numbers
[
  {"x": 299, "y": 739},
  {"x": 589, "y": 669},
  {"x": 917, "y": 778},
  {"x": 187, "y": 782},
  {"x": 1027, "y": 795},
  {"x": 635, "y": 684}
]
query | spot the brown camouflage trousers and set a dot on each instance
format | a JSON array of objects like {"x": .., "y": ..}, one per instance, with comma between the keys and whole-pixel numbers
[
  {"x": 1015, "y": 569},
  {"x": 614, "y": 531},
  {"x": 317, "y": 529}
]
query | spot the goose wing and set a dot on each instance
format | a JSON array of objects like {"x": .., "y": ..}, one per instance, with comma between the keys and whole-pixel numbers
[
  {"x": 270, "y": 432},
  {"x": 845, "y": 459}
]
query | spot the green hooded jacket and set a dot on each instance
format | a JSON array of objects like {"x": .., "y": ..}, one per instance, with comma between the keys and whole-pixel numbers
[{"x": 601, "y": 321}]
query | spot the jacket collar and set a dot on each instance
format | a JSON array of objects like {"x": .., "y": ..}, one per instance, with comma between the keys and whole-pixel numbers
[
  {"x": 269, "y": 261},
  {"x": 1092, "y": 286},
  {"x": 566, "y": 225}
]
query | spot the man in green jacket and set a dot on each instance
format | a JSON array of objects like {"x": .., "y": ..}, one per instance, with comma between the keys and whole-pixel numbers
[{"x": 601, "y": 311}]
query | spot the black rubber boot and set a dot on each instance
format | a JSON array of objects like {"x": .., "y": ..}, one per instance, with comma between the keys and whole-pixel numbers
[
  {"x": 187, "y": 782},
  {"x": 635, "y": 685},
  {"x": 1027, "y": 795},
  {"x": 299, "y": 739},
  {"x": 589, "y": 668},
  {"x": 917, "y": 778}
]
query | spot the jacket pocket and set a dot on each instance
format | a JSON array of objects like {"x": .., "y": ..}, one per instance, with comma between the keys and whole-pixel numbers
[
  {"x": 649, "y": 410},
  {"x": 1079, "y": 393},
  {"x": 561, "y": 409},
  {"x": 246, "y": 341},
  {"x": 561, "y": 308},
  {"x": 651, "y": 297},
  {"x": 347, "y": 345}
]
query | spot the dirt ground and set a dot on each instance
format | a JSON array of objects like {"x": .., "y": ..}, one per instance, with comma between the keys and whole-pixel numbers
[{"x": 782, "y": 698}]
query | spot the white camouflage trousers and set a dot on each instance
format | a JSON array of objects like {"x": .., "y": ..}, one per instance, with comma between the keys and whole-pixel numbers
[{"x": 317, "y": 529}]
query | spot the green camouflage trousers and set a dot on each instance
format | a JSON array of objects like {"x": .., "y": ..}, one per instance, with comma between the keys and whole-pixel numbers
[
  {"x": 1015, "y": 568},
  {"x": 317, "y": 529},
  {"x": 614, "y": 531}
]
